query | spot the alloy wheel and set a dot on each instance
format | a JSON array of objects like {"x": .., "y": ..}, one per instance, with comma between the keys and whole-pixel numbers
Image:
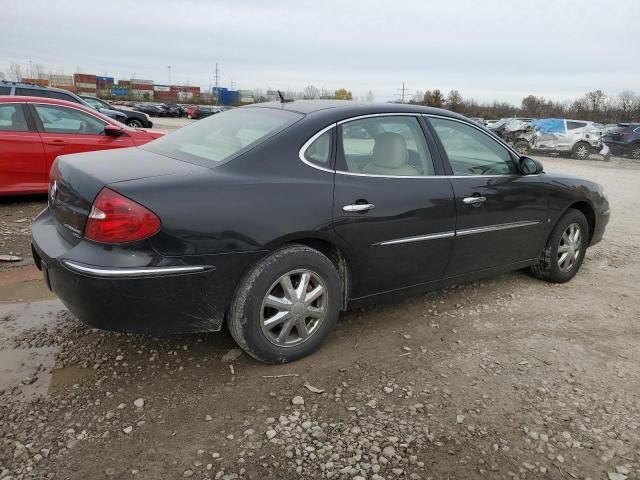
[
  {"x": 570, "y": 247},
  {"x": 294, "y": 308},
  {"x": 582, "y": 151},
  {"x": 635, "y": 151}
]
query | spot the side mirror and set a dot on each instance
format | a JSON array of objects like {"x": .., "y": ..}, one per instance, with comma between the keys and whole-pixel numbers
[
  {"x": 530, "y": 166},
  {"x": 113, "y": 131}
]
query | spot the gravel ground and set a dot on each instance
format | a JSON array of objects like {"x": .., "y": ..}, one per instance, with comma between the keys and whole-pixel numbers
[{"x": 505, "y": 378}]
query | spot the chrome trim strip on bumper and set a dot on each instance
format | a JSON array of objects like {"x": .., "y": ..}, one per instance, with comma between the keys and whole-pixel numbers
[
  {"x": 495, "y": 228},
  {"x": 131, "y": 272},
  {"x": 418, "y": 238},
  {"x": 458, "y": 233}
]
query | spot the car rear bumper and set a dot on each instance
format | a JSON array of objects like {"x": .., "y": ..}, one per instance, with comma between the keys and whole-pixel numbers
[{"x": 168, "y": 296}]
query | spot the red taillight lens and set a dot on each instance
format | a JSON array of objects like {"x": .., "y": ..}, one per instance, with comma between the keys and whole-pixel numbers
[{"x": 116, "y": 219}]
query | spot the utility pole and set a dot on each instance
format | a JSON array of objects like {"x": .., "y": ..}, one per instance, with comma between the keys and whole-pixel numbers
[
  {"x": 402, "y": 90},
  {"x": 216, "y": 77},
  {"x": 169, "y": 70}
]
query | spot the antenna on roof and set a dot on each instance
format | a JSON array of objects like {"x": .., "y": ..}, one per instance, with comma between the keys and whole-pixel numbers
[{"x": 282, "y": 99}]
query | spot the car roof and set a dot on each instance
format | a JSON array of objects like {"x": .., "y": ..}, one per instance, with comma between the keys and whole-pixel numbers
[
  {"x": 347, "y": 108},
  {"x": 52, "y": 101}
]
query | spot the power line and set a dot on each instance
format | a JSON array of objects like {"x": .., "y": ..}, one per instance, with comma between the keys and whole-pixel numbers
[{"x": 403, "y": 90}]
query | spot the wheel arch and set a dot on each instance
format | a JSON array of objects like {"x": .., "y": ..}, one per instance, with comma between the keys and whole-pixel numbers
[
  {"x": 587, "y": 210},
  {"x": 330, "y": 246}
]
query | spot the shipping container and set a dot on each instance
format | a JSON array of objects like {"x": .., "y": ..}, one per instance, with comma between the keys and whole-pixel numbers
[
  {"x": 36, "y": 81},
  {"x": 142, "y": 93},
  {"x": 122, "y": 83},
  {"x": 165, "y": 96},
  {"x": 185, "y": 96},
  {"x": 141, "y": 86},
  {"x": 60, "y": 80},
  {"x": 119, "y": 92},
  {"x": 91, "y": 86},
  {"x": 161, "y": 88},
  {"x": 138, "y": 81}
]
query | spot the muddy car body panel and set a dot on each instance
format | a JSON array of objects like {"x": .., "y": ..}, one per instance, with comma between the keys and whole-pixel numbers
[{"x": 389, "y": 228}]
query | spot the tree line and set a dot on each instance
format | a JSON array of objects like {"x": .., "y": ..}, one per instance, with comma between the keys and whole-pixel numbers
[{"x": 595, "y": 106}]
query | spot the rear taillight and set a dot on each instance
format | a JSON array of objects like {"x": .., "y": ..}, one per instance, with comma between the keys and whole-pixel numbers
[{"x": 116, "y": 219}]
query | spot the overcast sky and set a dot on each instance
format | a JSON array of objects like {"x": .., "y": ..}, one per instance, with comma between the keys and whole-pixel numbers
[{"x": 486, "y": 49}]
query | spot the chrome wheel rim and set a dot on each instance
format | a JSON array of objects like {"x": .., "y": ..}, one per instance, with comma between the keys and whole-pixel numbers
[
  {"x": 294, "y": 308},
  {"x": 569, "y": 248},
  {"x": 635, "y": 152},
  {"x": 582, "y": 151}
]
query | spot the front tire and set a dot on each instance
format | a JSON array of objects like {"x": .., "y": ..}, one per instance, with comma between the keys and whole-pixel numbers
[
  {"x": 286, "y": 306},
  {"x": 134, "y": 123},
  {"x": 564, "y": 252},
  {"x": 522, "y": 147},
  {"x": 581, "y": 150},
  {"x": 634, "y": 151}
]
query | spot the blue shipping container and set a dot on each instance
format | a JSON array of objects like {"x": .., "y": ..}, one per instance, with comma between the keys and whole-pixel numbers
[
  {"x": 105, "y": 79},
  {"x": 120, "y": 92},
  {"x": 225, "y": 96}
]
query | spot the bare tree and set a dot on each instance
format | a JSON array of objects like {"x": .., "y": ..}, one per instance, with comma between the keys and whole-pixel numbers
[
  {"x": 15, "y": 72},
  {"x": 433, "y": 98},
  {"x": 370, "y": 97},
  {"x": 418, "y": 97},
  {"x": 627, "y": 102},
  {"x": 38, "y": 71},
  {"x": 311, "y": 92},
  {"x": 594, "y": 99},
  {"x": 454, "y": 101}
]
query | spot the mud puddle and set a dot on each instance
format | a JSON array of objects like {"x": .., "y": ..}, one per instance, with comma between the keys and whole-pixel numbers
[{"x": 25, "y": 364}]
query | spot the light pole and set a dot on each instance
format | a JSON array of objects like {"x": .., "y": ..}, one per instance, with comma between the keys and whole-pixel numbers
[{"x": 169, "y": 69}]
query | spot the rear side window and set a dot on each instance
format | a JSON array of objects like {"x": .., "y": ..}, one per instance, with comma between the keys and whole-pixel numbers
[
  {"x": 319, "y": 152},
  {"x": 32, "y": 92},
  {"x": 5, "y": 90},
  {"x": 219, "y": 138},
  {"x": 12, "y": 118},
  {"x": 62, "y": 96},
  {"x": 575, "y": 125},
  {"x": 57, "y": 119}
]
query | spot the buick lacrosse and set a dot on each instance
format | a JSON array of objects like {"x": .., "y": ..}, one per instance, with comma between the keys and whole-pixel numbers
[{"x": 273, "y": 218}]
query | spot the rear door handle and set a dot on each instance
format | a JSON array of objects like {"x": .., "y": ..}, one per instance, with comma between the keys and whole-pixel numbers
[
  {"x": 358, "y": 207},
  {"x": 475, "y": 201},
  {"x": 55, "y": 142}
]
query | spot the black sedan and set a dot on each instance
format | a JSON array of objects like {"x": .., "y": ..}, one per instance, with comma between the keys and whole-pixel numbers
[
  {"x": 275, "y": 217},
  {"x": 134, "y": 118}
]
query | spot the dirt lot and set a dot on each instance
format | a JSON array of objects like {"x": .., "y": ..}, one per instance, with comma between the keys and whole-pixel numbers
[{"x": 505, "y": 378}]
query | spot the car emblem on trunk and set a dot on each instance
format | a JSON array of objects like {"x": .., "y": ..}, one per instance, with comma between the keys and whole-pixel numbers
[{"x": 53, "y": 192}]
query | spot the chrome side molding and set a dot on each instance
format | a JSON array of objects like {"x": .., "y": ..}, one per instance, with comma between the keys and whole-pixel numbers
[
  {"x": 418, "y": 238},
  {"x": 131, "y": 272}
]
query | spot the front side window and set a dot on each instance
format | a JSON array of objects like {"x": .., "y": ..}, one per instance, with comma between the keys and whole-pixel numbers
[
  {"x": 5, "y": 90},
  {"x": 12, "y": 118},
  {"x": 470, "y": 151},
  {"x": 32, "y": 92},
  {"x": 97, "y": 104},
  {"x": 57, "y": 119},
  {"x": 385, "y": 145},
  {"x": 319, "y": 152},
  {"x": 219, "y": 138}
]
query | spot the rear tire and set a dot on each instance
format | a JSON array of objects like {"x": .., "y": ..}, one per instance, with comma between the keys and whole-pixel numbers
[
  {"x": 550, "y": 265},
  {"x": 276, "y": 320},
  {"x": 134, "y": 123},
  {"x": 634, "y": 151},
  {"x": 581, "y": 150}
]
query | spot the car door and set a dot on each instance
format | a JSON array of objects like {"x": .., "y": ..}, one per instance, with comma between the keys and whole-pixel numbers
[
  {"x": 501, "y": 214},
  {"x": 66, "y": 130},
  {"x": 390, "y": 205},
  {"x": 22, "y": 159}
]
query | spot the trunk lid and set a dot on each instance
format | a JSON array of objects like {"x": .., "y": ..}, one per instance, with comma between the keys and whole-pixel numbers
[{"x": 77, "y": 179}]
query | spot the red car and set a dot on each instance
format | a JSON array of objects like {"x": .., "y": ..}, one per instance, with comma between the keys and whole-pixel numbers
[{"x": 36, "y": 130}]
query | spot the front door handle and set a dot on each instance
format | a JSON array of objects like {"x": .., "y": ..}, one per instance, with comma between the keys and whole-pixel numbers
[
  {"x": 358, "y": 207},
  {"x": 474, "y": 201},
  {"x": 56, "y": 142}
]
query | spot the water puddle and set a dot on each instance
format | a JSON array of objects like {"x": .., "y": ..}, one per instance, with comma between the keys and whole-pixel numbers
[{"x": 26, "y": 308}]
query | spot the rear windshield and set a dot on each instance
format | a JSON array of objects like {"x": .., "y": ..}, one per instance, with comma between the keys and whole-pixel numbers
[{"x": 217, "y": 139}]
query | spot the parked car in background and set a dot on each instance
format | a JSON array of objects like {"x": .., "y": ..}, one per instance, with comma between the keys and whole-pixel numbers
[
  {"x": 36, "y": 130},
  {"x": 134, "y": 118},
  {"x": 624, "y": 139},
  {"x": 173, "y": 110},
  {"x": 577, "y": 138},
  {"x": 151, "y": 109},
  {"x": 199, "y": 111},
  {"x": 28, "y": 89},
  {"x": 272, "y": 219},
  {"x": 478, "y": 120},
  {"x": 499, "y": 126}
]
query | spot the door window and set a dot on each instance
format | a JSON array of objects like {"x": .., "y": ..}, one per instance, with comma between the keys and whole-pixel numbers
[
  {"x": 12, "y": 118},
  {"x": 386, "y": 145},
  {"x": 575, "y": 125},
  {"x": 319, "y": 152},
  {"x": 5, "y": 90},
  {"x": 57, "y": 119},
  {"x": 470, "y": 151}
]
